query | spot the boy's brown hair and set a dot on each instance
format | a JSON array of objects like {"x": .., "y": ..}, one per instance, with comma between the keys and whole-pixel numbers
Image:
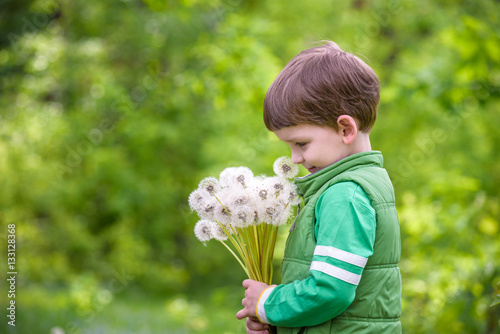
[{"x": 319, "y": 85}]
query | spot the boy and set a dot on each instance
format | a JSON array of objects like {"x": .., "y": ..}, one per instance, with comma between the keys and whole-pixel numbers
[{"x": 340, "y": 269}]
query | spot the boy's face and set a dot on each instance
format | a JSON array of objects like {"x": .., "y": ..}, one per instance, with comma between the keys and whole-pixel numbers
[{"x": 314, "y": 147}]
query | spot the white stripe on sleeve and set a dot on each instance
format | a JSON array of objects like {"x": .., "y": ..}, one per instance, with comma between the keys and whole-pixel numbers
[
  {"x": 261, "y": 312},
  {"x": 336, "y": 272},
  {"x": 341, "y": 255}
]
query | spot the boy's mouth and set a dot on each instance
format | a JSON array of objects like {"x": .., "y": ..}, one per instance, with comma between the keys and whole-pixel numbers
[{"x": 312, "y": 169}]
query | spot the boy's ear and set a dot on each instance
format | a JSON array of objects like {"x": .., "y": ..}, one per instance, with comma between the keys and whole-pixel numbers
[{"x": 348, "y": 128}]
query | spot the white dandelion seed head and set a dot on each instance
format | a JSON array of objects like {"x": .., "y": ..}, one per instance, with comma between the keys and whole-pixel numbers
[
  {"x": 210, "y": 185},
  {"x": 226, "y": 195},
  {"x": 256, "y": 180},
  {"x": 262, "y": 195},
  {"x": 222, "y": 213},
  {"x": 217, "y": 231},
  {"x": 236, "y": 176},
  {"x": 293, "y": 196},
  {"x": 276, "y": 186},
  {"x": 267, "y": 213},
  {"x": 197, "y": 200},
  {"x": 260, "y": 189},
  {"x": 239, "y": 198},
  {"x": 276, "y": 214},
  {"x": 283, "y": 216},
  {"x": 284, "y": 167},
  {"x": 208, "y": 208},
  {"x": 288, "y": 195},
  {"x": 243, "y": 216},
  {"x": 234, "y": 196},
  {"x": 202, "y": 230}
]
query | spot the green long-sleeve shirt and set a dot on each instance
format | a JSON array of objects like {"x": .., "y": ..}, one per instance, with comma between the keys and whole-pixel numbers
[{"x": 345, "y": 234}]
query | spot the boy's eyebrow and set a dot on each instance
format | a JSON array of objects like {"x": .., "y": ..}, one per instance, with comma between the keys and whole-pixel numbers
[{"x": 296, "y": 138}]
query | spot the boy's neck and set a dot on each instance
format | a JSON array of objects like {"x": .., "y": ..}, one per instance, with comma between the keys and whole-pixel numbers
[{"x": 361, "y": 143}]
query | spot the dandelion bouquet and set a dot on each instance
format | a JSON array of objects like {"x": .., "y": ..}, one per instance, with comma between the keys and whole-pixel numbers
[{"x": 243, "y": 212}]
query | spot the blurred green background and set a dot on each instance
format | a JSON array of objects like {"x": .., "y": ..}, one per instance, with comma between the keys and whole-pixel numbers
[{"x": 113, "y": 111}]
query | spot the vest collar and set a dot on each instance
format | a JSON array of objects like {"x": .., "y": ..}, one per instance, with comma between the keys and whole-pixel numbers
[{"x": 310, "y": 184}]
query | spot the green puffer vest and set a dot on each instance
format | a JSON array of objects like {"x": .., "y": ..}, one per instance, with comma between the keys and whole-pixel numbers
[{"x": 377, "y": 305}]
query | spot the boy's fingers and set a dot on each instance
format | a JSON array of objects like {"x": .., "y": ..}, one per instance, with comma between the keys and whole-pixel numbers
[
  {"x": 242, "y": 314},
  {"x": 246, "y": 283},
  {"x": 250, "y": 331},
  {"x": 254, "y": 324}
]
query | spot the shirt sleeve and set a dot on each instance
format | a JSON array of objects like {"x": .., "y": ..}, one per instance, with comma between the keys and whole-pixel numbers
[{"x": 345, "y": 234}]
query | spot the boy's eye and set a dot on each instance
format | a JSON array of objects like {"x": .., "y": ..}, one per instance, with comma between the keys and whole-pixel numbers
[{"x": 300, "y": 144}]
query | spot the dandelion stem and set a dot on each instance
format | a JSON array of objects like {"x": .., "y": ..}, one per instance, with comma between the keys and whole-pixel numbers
[
  {"x": 236, "y": 257},
  {"x": 237, "y": 245}
]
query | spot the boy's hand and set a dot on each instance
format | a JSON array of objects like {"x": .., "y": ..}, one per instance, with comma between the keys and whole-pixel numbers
[
  {"x": 252, "y": 294},
  {"x": 254, "y": 326}
]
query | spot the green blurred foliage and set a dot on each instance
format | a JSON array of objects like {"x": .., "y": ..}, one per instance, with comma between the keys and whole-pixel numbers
[{"x": 112, "y": 112}]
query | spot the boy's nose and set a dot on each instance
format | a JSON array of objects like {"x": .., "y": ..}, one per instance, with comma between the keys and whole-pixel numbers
[{"x": 297, "y": 158}]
